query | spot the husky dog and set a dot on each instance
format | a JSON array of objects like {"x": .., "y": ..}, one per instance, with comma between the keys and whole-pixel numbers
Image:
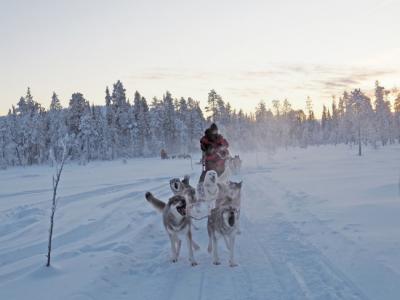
[
  {"x": 231, "y": 190},
  {"x": 210, "y": 188},
  {"x": 235, "y": 164},
  {"x": 223, "y": 221},
  {"x": 183, "y": 188},
  {"x": 176, "y": 222}
]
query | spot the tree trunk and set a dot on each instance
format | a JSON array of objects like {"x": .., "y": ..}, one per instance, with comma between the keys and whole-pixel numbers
[{"x": 56, "y": 180}]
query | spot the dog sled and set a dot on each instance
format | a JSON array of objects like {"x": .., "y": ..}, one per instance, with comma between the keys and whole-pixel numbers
[{"x": 217, "y": 200}]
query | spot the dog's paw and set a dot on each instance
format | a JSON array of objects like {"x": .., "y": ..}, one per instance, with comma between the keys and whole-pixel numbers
[
  {"x": 194, "y": 263},
  {"x": 148, "y": 195},
  {"x": 233, "y": 264},
  {"x": 217, "y": 263},
  {"x": 174, "y": 260}
]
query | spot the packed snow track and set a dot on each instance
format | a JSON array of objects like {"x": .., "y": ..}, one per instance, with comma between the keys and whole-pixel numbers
[{"x": 296, "y": 242}]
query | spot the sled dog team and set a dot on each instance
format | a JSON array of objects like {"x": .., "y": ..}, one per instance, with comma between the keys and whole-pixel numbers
[{"x": 223, "y": 199}]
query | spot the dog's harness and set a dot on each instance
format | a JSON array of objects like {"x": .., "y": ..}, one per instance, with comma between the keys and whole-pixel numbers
[
  {"x": 192, "y": 205},
  {"x": 206, "y": 216},
  {"x": 199, "y": 219}
]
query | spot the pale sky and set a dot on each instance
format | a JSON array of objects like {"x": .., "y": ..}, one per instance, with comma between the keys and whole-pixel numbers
[{"x": 246, "y": 50}]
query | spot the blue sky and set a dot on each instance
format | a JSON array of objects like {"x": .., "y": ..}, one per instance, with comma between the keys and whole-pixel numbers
[{"x": 247, "y": 50}]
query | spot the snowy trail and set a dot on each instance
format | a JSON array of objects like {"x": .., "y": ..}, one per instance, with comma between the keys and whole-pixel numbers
[
  {"x": 275, "y": 260},
  {"x": 105, "y": 204},
  {"x": 110, "y": 243}
]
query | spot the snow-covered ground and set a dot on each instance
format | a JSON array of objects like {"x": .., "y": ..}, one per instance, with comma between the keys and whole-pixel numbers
[{"x": 317, "y": 223}]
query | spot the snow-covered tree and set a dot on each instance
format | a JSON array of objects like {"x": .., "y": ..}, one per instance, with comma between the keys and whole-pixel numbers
[
  {"x": 213, "y": 105},
  {"x": 396, "y": 122},
  {"x": 29, "y": 134},
  {"x": 123, "y": 120},
  {"x": 382, "y": 114}
]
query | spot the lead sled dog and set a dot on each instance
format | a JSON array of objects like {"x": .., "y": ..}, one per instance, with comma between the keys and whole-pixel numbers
[
  {"x": 176, "y": 222},
  {"x": 223, "y": 220}
]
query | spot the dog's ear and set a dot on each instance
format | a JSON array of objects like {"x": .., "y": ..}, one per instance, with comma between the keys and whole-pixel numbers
[
  {"x": 186, "y": 179},
  {"x": 234, "y": 184}
]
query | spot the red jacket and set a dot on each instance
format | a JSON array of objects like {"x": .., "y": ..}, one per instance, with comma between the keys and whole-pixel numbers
[{"x": 214, "y": 150}]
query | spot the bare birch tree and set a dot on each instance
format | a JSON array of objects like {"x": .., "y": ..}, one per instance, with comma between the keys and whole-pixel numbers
[{"x": 56, "y": 179}]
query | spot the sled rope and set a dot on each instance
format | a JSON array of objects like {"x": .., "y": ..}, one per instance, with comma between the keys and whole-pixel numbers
[{"x": 199, "y": 219}]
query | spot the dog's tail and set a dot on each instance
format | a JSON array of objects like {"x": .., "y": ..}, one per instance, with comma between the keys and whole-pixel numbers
[{"x": 158, "y": 204}]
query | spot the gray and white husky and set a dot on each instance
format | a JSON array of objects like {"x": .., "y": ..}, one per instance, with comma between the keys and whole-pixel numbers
[
  {"x": 177, "y": 223},
  {"x": 183, "y": 188},
  {"x": 232, "y": 190},
  {"x": 223, "y": 222}
]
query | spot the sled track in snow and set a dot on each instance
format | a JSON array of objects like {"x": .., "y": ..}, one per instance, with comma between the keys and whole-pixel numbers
[
  {"x": 301, "y": 269},
  {"x": 67, "y": 243},
  {"x": 275, "y": 261}
]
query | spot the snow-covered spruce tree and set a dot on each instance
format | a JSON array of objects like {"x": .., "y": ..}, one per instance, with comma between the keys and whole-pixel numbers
[
  {"x": 360, "y": 111},
  {"x": 156, "y": 124},
  {"x": 76, "y": 110},
  {"x": 100, "y": 145},
  {"x": 396, "y": 122},
  {"x": 344, "y": 126},
  {"x": 29, "y": 133},
  {"x": 334, "y": 130},
  {"x": 212, "y": 106},
  {"x": 57, "y": 128},
  {"x": 195, "y": 124},
  {"x": 169, "y": 124},
  {"x": 324, "y": 124},
  {"x": 312, "y": 126},
  {"x": 123, "y": 120},
  {"x": 109, "y": 129},
  {"x": 382, "y": 115},
  {"x": 13, "y": 134},
  {"x": 142, "y": 134},
  {"x": 182, "y": 125},
  {"x": 4, "y": 140},
  {"x": 286, "y": 123},
  {"x": 262, "y": 130},
  {"x": 87, "y": 136}
]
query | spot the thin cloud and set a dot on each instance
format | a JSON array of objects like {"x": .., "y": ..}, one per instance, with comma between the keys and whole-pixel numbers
[
  {"x": 353, "y": 79},
  {"x": 166, "y": 74},
  {"x": 285, "y": 80}
]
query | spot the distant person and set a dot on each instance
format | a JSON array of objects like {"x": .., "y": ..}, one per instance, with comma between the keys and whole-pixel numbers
[
  {"x": 215, "y": 151},
  {"x": 163, "y": 154}
]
